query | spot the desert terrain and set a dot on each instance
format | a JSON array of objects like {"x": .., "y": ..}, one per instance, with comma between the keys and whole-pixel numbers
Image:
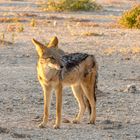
[{"x": 116, "y": 49}]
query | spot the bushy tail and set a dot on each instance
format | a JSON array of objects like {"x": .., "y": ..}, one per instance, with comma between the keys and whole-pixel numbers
[{"x": 95, "y": 74}]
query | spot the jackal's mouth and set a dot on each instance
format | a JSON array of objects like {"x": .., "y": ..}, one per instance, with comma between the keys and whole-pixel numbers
[{"x": 55, "y": 66}]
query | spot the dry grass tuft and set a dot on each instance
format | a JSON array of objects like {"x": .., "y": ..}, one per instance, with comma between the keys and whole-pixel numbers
[
  {"x": 11, "y": 20},
  {"x": 87, "y": 24},
  {"x": 27, "y": 15},
  {"x": 33, "y": 22},
  {"x": 90, "y": 34},
  {"x": 135, "y": 50},
  {"x": 131, "y": 18},
  {"x": 15, "y": 28},
  {"x": 109, "y": 51},
  {"x": 70, "y": 5},
  {"x": 5, "y": 43}
]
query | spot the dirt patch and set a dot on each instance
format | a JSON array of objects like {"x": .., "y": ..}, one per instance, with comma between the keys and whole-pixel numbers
[{"x": 117, "y": 53}]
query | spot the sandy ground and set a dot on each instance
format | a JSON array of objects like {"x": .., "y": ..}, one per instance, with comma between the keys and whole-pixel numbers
[{"x": 118, "y": 56}]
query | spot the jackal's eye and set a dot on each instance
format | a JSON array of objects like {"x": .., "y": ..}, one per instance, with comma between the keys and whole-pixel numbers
[{"x": 51, "y": 58}]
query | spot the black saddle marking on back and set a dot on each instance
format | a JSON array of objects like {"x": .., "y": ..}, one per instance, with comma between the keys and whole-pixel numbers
[{"x": 69, "y": 61}]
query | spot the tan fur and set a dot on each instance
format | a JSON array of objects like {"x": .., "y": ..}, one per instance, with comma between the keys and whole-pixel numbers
[
  {"x": 53, "y": 43},
  {"x": 48, "y": 70}
]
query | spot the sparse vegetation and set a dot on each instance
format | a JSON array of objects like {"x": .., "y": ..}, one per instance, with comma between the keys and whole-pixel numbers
[
  {"x": 13, "y": 38},
  {"x": 87, "y": 24},
  {"x": 2, "y": 38},
  {"x": 70, "y": 5},
  {"x": 11, "y": 20},
  {"x": 4, "y": 42},
  {"x": 90, "y": 34},
  {"x": 117, "y": 52},
  {"x": 33, "y": 22},
  {"x": 20, "y": 28},
  {"x": 15, "y": 28},
  {"x": 131, "y": 18}
]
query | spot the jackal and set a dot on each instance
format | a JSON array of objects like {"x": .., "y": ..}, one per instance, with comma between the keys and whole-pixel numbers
[{"x": 56, "y": 69}]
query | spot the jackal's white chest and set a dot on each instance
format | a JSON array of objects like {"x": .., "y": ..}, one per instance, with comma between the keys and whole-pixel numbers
[{"x": 47, "y": 74}]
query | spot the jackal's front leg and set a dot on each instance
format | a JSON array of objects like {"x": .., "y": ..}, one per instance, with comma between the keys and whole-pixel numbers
[
  {"x": 47, "y": 95},
  {"x": 58, "y": 106}
]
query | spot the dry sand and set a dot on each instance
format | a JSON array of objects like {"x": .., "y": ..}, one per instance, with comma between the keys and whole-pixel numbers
[{"x": 118, "y": 56}]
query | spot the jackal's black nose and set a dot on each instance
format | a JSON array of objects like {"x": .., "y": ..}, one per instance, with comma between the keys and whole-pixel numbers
[{"x": 61, "y": 67}]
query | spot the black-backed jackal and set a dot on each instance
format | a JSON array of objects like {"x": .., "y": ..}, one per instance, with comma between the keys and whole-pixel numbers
[{"x": 56, "y": 69}]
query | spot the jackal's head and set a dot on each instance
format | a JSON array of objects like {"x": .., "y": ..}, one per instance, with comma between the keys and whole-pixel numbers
[{"x": 49, "y": 56}]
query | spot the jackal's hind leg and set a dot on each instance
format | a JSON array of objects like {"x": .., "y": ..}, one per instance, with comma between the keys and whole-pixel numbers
[
  {"x": 78, "y": 93},
  {"x": 90, "y": 96}
]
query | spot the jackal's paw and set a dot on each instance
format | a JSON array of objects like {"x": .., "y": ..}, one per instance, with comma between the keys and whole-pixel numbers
[
  {"x": 42, "y": 125},
  {"x": 56, "y": 126},
  {"x": 76, "y": 121},
  {"x": 91, "y": 122}
]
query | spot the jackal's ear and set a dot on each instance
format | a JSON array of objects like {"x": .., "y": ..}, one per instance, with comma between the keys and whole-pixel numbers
[
  {"x": 40, "y": 48},
  {"x": 53, "y": 42}
]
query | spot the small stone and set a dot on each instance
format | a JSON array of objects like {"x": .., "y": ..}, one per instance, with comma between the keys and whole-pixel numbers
[
  {"x": 114, "y": 74},
  {"x": 127, "y": 58},
  {"x": 2, "y": 62},
  {"x": 131, "y": 88},
  {"x": 65, "y": 120},
  {"x": 19, "y": 56},
  {"x": 132, "y": 72},
  {"x": 107, "y": 122},
  {"x": 26, "y": 55},
  {"x": 9, "y": 109}
]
